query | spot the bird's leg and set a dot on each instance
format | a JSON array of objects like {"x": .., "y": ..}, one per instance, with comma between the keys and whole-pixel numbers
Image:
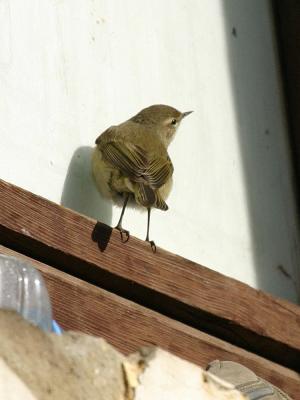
[
  {"x": 119, "y": 225},
  {"x": 152, "y": 244}
]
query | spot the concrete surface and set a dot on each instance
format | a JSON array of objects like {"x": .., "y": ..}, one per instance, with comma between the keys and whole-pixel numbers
[{"x": 39, "y": 366}]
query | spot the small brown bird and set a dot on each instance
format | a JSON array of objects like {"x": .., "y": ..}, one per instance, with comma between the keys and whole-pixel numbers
[{"x": 131, "y": 160}]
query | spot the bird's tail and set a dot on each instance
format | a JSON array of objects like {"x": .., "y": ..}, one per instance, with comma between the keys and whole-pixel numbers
[{"x": 147, "y": 197}]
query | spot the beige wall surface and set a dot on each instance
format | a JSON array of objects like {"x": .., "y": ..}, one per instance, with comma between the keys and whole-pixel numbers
[{"x": 71, "y": 68}]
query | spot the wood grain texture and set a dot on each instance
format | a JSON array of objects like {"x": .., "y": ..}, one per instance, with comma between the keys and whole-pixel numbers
[
  {"x": 164, "y": 282},
  {"x": 78, "y": 305}
]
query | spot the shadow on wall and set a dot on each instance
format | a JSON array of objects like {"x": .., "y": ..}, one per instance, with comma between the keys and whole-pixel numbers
[
  {"x": 80, "y": 193},
  {"x": 263, "y": 145}
]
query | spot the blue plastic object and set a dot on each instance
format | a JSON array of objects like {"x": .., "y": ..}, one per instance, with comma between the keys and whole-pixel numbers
[
  {"x": 22, "y": 289},
  {"x": 56, "y": 328}
]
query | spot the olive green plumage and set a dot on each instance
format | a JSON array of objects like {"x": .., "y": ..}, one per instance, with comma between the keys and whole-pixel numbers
[{"x": 132, "y": 158}]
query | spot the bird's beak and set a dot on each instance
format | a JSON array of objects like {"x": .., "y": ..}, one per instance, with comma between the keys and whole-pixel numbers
[{"x": 185, "y": 114}]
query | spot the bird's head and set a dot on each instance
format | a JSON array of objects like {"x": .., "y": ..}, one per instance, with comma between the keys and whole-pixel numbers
[{"x": 165, "y": 120}]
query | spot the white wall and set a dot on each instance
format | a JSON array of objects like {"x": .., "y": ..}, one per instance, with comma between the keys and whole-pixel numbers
[{"x": 71, "y": 68}]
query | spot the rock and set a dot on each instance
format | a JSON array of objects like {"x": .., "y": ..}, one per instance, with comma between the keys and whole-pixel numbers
[
  {"x": 11, "y": 386},
  {"x": 71, "y": 366},
  {"x": 35, "y": 365}
]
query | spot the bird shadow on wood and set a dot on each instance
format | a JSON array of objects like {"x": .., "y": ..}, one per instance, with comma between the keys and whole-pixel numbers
[
  {"x": 80, "y": 194},
  {"x": 101, "y": 235}
]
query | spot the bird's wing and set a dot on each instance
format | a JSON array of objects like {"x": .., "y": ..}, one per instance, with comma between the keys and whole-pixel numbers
[
  {"x": 159, "y": 170},
  {"x": 128, "y": 158},
  {"x": 136, "y": 163}
]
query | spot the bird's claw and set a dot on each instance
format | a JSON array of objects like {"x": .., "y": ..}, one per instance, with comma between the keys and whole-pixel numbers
[
  {"x": 123, "y": 232},
  {"x": 153, "y": 245}
]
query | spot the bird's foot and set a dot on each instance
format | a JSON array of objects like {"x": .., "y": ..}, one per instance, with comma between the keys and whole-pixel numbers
[
  {"x": 123, "y": 232},
  {"x": 152, "y": 244}
]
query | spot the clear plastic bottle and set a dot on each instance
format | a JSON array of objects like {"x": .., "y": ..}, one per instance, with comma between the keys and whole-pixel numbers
[{"x": 22, "y": 289}]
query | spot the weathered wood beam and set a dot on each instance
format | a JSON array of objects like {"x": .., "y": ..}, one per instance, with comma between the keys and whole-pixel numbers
[
  {"x": 78, "y": 305},
  {"x": 164, "y": 282}
]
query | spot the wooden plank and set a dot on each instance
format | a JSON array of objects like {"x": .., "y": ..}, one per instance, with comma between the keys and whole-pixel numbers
[
  {"x": 81, "y": 306},
  {"x": 164, "y": 282}
]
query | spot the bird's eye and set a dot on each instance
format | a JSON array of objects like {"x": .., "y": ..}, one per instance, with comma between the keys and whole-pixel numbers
[{"x": 174, "y": 121}]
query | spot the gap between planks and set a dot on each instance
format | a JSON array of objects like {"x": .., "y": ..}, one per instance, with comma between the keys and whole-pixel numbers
[
  {"x": 78, "y": 305},
  {"x": 164, "y": 282}
]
